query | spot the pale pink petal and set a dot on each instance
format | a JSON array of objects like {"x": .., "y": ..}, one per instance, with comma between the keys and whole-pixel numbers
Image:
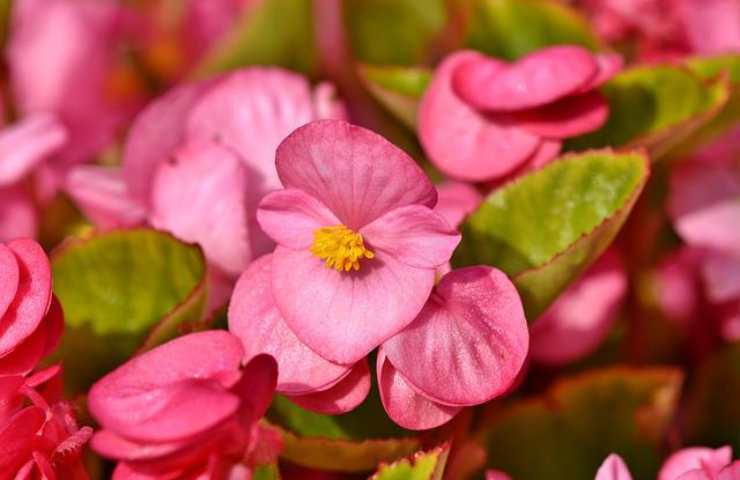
[
  {"x": 102, "y": 195},
  {"x": 356, "y": 173},
  {"x": 255, "y": 319},
  {"x": 576, "y": 324},
  {"x": 343, "y": 397},
  {"x": 326, "y": 103},
  {"x": 404, "y": 405},
  {"x": 9, "y": 278},
  {"x": 569, "y": 117},
  {"x": 462, "y": 142},
  {"x": 413, "y": 235},
  {"x": 342, "y": 316},
  {"x": 28, "y": 308},
  {"x": 721, "y": 274},
  {"x": 535, "y": 80},
  {"x": 25, "y": 144},
  {"x": 173, "y": 391},
  {"x": 199, "y": 196},
  {"x": 684, "y": 460},
  {"x": 456, "y": 200},
  {"x": 290, "y": 217},
  {"x": 18, "y": 217},
  {"x": 472, "y": 328},
  {"x": 613, "y": 468}
]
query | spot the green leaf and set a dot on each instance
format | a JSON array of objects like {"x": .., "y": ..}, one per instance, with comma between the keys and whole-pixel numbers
[
  {"x": 546, "y": 228},
  {"x": 120, "y": 290},
  {"x": 398, "y": 89},
  {"x": 567, "y": 432},
  {"x": 713, "y": 410},
  {"x": 352, "y": 442},
  {"x": 656, "y": 107},
  {"x": 422, "y": 466},
  {"x": 266, "y": 472},
  {"x": 273, "y": 32},
  {"x": 398, "y": 32},
  {"x": 512, "y": 28}
]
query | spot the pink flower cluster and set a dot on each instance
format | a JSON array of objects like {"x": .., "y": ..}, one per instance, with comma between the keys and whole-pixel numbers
[{"x": 693, "y": 463}]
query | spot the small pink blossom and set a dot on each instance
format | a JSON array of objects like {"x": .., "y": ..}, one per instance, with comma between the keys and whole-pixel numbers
[
  {"x": 483, "y": 119},
  {"x": 693, "y": 463}
]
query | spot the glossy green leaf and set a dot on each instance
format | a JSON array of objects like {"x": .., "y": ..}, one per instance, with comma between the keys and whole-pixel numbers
[
  {"x": 567, "y": 432},
  {"x": 121, "y": 290},
  {"x": 656, "y": 107},
  {"x": 398, "y": 89},
  {"x": 546, "y": 228},
  {"x": 512, "y": 28},
  {"x": 421, "y": 466},
  {"x": 713, "y": 409},
  {"x": 272, "y": 32},
  {"x": 353, "y": 442},
  {"x": 396, "y": 32}
]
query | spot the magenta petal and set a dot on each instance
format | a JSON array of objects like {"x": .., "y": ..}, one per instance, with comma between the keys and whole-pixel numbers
[
  {"x": 730, "y": 472},
  {"x": 172, "y": 391},
  {"x": 356, "y": 173},
  {"x": 609, "y": 65},
  {"x": 290, "y": 217},
  {"x": 580, "y": 319},
  {"x": 535, "y": 80},
  {"x": 406, "y": 407},
  {"x": 473, "y": 328},
  {"x": 342, "y": 316},
  {"x": 343, "y": 397},
  {"x": 102, "y": 195},
  {"x": 17, "y": 439},
  {"x": 110, "y": 445},
  {"x": 9, "y": 278},
  {"x": 463, "y": 143},
  {"x": 566, "y": 118},
  {"x": 692, "y": 458},
  {"x": 456, "y": 200},
  {"x": 721, "y": 274},
  {"x": 17, "y": 213},
  {"x": 255, "y": 319},
  {"x": 257, "y": 385},
  {"x": 546, "y": 152},
  {"x": 25, "y": 144},
  {"x": 413, "y": 235},
  {"x": 199, "y": 196},
  {"x": 613, "y": 468},
  {"x": 28, "y": 308}
]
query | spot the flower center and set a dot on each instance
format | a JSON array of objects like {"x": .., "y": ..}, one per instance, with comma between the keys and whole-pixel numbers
[{"x": 340, "y": 247}]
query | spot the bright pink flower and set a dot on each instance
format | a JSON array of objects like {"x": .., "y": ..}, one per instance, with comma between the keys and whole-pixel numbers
[
  {"x": 358, "y": 243},
  {"x": 693, "y": 463},
  {"x": 303, "y": 375},
  {"x": 482, "y": 118},
  {"x": 576, "y": 324},
  {"x": 465, "y": 347},
  {"x": 31, "y": 320},
  {"x": 184, "y": 408}
]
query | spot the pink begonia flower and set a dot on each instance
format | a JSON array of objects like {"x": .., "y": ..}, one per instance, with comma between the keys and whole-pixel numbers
[
  {"x": 31, "y": 320},
  {"x": 303, "y": 375},
  {"x": 580, "y": 319},
  {"x": 465, "y": 347},
  {"x": 198, "y": 160},
  {"x": 185, "y": 408},
  {"x": 693, "y": 463},
  {"x": 483, "y": 119},
  {"x": 358, "y": 243}
]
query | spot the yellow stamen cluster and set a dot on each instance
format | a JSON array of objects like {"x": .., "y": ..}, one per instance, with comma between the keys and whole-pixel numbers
[{"x": 340, "y": 247}]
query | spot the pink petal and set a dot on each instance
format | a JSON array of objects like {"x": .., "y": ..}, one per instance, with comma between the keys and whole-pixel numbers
[
  {"x": 570, "y": 117},
  {"x": 473, "y": 328},
  {"x": 533, "y": 81},
  {"x": 463, "y": 143},
  {"x": 290, "y": 217},
  {"x": 28, "y": 142},
  {"x": 546, "y": 152},
  {"x": 199, "y": 196},
  {"x": 343, "y": 397},
  {"x": 684, "y": 460},
  {"x": 413, "y": 235},
  {"x": 730, "y": 472},
  {"x": 326, "y": 104},
  {"x": 342, "y": 316},
  {"x": 576, "y": 324},
  {"x": 609, "y": 65},
  {"x": 102, "y": 195},
  {"x": 9, "y": 278},
  {"x": 456, "y": 200},
  {"x": 255, "y": 319},
  {"x": 27, "y": 311},
  {"x": 712, "y": 26},
  {"x": 406, "y": 407},
  {"x": 156, "y": 131},
  {"x": 171, "y": 392},
  {"x": 25, "y": 356},
  {"x": 257, "y": 385},
  {"x": 496, "y": 475},
  {"x": 17, "y": 213},
  {"x": 17, "y": 438},
  {"x": 110, "y": 445},
  {"x": 613, "y": 468},
  {"x": 721, "y": 274},
  {"x": 356, "y": 173}
]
